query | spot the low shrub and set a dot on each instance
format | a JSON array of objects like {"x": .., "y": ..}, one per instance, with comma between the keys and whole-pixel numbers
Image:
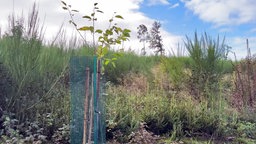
[{"x": 14, "y": 131}]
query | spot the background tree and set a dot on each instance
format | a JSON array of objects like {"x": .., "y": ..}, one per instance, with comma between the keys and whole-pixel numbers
[
  {"x": 156, "y": 39},
  {"x": 143, "y": 36}
]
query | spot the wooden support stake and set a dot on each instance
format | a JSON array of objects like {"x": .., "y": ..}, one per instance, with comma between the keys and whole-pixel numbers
[
  {"x": 87, "y": 87},
  {"x": 91, "y": 115}
]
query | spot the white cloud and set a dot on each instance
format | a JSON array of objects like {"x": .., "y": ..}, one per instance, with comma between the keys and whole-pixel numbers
[
  {"x": 174, "y": 5},
  {"x": 253, "y": 30},
  {"x": 157, "y": 2},
  {"x": 225, "y": 29},
  {"x": 223, "y": 12}
]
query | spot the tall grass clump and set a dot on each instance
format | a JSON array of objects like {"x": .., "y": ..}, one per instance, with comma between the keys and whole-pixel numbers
[
  {"x": 37, "y": 73},
  {"x": 20, "y": 53},
  {"x": 207, "y": 65}
]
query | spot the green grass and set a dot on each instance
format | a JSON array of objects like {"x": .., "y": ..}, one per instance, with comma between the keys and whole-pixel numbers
[
  {"x": 130, "y": 63},
  {"x": 174, "y": 115}
]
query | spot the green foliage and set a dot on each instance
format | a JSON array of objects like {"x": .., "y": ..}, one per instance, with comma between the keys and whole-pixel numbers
[
  {"x": 164, "y": 114},
  {"x": 35, "y": 76},
  {"x": 20, "y": 56},
  {"x": 227, "y": 66},
  {"x": 177, "y": 69},
  {"x": 8, "y": 132},
  {"x": 31, "y": 67},
  {"x": 207, "y": 68},
  {"x": 130, "y": 63},
  {"x": 246, "y": 129},
  {"x": 6, "y": 83},
  {"x": 31, "y": 132},
  {"x": 120, "y": 115},
  {"x": 111, "y": 36}
]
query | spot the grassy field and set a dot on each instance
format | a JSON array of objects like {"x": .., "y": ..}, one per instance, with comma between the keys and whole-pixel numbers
[{"x": 201, "y": 98}]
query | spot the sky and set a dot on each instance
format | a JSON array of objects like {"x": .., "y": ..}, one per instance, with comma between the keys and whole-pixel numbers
[{"x": 233, "y": 19}]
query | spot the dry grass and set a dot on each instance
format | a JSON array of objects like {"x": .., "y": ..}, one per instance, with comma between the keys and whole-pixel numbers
[{"x": 135, "y": 83}]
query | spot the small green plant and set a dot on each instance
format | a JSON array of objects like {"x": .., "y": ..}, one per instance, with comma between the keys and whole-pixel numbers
[
  {"x": 246, "y": 129},
  {"x": 113, "y": 35},
  {"x": 13, "y": 131}
]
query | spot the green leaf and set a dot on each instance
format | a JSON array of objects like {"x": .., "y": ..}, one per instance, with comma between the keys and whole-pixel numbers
[
  {"x": 92, "y": 14},
  {"x": 75, "y": 10},
  {"x": 113, "y": 64},
  {"x": 105, "y": 38},
  {"x": 114, "y": 59},
  {"x": 100, "y": 11},
  {"x": 118, "y": 41},
  {"x": 127, "y": 31},
  {"x": 100, "y": 39},
  {"x": 99, "y": 51},
  {"x": 98, "y": 31},
  {"x": 106, "y": 61},
  {"x": 117, "y": 54},
  {"x": 110, "y": 20},
  {"x": 109, "y": 32},
  {"x": 95, "y": 4},
  {"x": 87, "y": 17},
  {"x": 119, "y": 16},
  {"x": 104, "y": 51},
  {"x": 86, "y": 28},
  {"x": 123, "y": 38},
  {"x": 119, "y": 29},
  {"x": 63, "y": 3},
  {"x": 65, "y": 8}
]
